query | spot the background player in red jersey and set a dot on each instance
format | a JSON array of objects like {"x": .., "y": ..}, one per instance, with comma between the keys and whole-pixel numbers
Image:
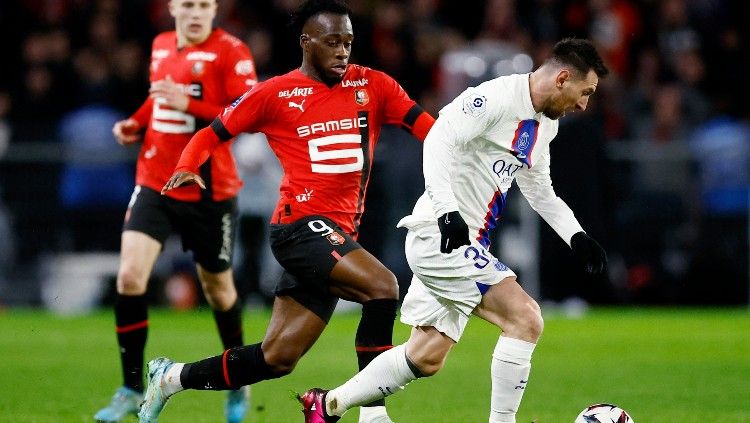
[
  {"x": 195, "y": 71},
  {"x": 322, "y": 121}
]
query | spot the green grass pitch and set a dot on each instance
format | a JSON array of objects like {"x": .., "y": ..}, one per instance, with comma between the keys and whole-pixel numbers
[{"x": 662, "y": 365}]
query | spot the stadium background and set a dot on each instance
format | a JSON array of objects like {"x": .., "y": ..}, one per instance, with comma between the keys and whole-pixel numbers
[{"x": 658, "y": 169}]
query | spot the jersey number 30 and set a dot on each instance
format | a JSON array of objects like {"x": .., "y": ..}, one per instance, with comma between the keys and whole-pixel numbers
[{"x": 356, "y": 159}]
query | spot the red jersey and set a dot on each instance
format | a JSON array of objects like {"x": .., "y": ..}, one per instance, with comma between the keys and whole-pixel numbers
[
  {"x": 324, "y": 137},
  {"x": 213, "y": 73}
]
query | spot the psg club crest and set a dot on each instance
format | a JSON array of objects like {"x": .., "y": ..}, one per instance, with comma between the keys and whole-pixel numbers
[
  {"x": 335, "y": 238},
  {"x": 198, "y": 68},
  {"x": 361, "y": 97}
]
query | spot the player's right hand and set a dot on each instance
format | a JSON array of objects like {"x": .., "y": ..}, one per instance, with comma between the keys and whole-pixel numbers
[
  {"x": 453, "y": 231},
  {"x": 182, "y": 179},
  {"x": 126, "y": 131}
]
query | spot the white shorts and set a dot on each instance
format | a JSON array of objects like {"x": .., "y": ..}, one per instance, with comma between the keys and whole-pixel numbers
[{"x": 446, "y": 288}]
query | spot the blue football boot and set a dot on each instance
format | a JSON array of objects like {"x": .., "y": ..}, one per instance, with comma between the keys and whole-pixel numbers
[
  {"x": 155, "y": 399},
  {"x": 237, "y": 404},
  {"x": 125, "y": 401}
]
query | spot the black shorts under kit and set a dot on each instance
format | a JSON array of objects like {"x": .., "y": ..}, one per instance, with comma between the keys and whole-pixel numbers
[
  {"x": 308, "y": 249},
  {"x": 207, "y": 228}
]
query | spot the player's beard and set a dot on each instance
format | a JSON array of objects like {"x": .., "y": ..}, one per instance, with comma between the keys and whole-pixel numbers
[
  {"x": 553, "y": 113},
  {"x": 329, "y": 78}
]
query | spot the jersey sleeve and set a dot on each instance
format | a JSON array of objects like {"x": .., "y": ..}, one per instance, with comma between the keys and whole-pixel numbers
[
  {"x": 536, "y": 185},
  {"x": 239, "y": 70},
  {"x": 475, "y": 111},
  {"x": 143, "y": 114},
  {"x": 197, "y": 151},
  {"x": 247, "y": 114},
  {"x": 437, "y": 163}
]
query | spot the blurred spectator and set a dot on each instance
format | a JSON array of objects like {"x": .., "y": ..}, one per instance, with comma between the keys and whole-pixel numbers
[
  {"x": 7, "y": 244},
  {"x": 659, "y": 203},
  {"x": 95, "y": 185},
  {"x": 721, "y": 148},
  {"x": 615, "y": 25},
  {"x": 130, "y": 79},
  {"x": 5, "y": 128}
]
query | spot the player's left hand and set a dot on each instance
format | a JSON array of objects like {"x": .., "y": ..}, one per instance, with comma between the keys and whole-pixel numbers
[
  {"x": 182, "y": 179},
  {"x": 454, "y": 232},
  {"x": 170, "y": 93},
  {"x": 591, "y": 255}
]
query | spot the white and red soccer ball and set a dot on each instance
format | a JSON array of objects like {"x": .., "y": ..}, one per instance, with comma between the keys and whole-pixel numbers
[{"x": 603, "y": 413}]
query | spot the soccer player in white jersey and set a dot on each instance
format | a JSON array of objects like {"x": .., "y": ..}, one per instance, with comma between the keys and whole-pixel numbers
[{"x": 489, "y": 136}]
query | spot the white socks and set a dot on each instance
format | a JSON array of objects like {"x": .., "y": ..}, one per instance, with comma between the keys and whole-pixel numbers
[
  {"x": 371, "y": 414},
  {"x": 387, "y": 374},
  {"x": 511, "y": 363},
  {"x": 170, "y": 380}
]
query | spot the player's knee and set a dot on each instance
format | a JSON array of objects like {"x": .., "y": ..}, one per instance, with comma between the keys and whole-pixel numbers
[
  {"x": 281, "y": 362},
  {"x": 219, "y": 297},
  {"x": 131, "y": 281},
  {"x": 428, "y": 364},
  {"x": 387, "y": 286},
  {"x": 531, "y": 321}
]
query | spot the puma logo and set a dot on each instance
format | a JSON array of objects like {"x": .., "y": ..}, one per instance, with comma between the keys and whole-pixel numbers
[{"x": 299, "y": 106}]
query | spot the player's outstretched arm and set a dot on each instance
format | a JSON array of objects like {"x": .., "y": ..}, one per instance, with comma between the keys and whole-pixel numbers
[
  {"x": 196, "y": 152},
  {"x": 183, "y": 178}
]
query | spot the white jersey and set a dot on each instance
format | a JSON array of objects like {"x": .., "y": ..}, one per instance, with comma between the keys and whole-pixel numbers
[{"x": 485, "y": 139}]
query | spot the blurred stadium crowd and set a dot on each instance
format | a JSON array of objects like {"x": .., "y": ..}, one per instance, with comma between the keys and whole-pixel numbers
[{"x": 658, "y": 169}]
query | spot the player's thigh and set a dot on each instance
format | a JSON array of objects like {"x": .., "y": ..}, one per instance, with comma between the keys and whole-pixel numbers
[
  {"x": 446, "y": 288},
  {"x": 207, "y": 228},
  {"x": 361, "y": 277},
  {"x": 311, "y": 247},
  {"x": 458, "y": 279},
  {"x": 509, "y": 307}
]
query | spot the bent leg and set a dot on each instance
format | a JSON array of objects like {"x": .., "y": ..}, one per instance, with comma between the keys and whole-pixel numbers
[
  {"x": 508, "y": 306},
  {"x": 392, "y": 370},
  {"x": 360, "y": 276},
  {"x": 427, "y": 348},
  {"x": 292, "y": 331}
]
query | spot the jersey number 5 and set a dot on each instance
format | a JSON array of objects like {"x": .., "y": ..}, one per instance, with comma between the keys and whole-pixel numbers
[
  {"x": 170, "y": 121},
  {"x": 354, "y": 154}
]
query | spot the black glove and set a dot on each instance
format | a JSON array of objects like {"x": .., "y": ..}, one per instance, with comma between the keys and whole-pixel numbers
[
  {"x": 453, "y": 232},
  {"x": 589, "y": 253}
]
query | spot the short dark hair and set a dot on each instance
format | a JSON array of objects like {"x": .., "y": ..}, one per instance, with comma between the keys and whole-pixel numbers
[
  {"x": 310, "y": 8},
  {"x": 580, "y": 54}
]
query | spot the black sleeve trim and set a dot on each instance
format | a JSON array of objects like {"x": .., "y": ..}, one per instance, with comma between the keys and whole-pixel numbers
[
  {"x": 412, "y": 115},
  {"x": 218, "y": 126}
]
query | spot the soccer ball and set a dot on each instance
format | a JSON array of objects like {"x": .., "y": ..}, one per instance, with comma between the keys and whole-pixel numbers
[{"x": 604, "y": 413}]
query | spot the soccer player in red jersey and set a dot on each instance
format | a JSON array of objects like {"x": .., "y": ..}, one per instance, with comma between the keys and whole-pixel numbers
[
  {"x": 322, "y": 121},
  {"x": 195, "y": 72}
]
